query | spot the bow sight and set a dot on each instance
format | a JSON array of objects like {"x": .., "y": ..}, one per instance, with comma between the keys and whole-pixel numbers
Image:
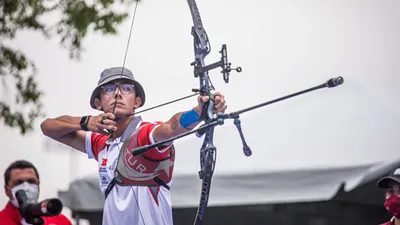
[{"x": 223, "y": 63}]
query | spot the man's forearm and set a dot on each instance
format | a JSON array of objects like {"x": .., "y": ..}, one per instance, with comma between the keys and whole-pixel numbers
[
  {"x": 177, "y": 127},
  {"x": 60, "y": 126},
  {"x": 174, "y": 126}
]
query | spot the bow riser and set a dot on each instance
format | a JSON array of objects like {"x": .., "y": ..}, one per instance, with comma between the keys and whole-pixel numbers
[{"x": 208, "y": 151}]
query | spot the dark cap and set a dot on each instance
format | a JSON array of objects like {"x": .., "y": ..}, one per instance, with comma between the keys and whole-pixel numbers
[
  {"x": 393, "y": 176},
  {"x": 116, "y": 73}
]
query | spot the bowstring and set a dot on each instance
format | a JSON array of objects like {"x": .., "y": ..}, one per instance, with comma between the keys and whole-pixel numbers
[
  {"x": 127, "y": 49},
  {"x": 116, "y": 97}
]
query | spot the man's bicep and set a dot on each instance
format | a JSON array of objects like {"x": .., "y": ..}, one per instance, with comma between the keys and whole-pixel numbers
[
  {"x": 146, "y": 138},
  {"x": 161, "y": 131},
  {"x": 75, "y": 140},
  {"x": 152, "y": 140}
]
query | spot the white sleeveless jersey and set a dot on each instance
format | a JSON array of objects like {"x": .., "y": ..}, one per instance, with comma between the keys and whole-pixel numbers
[{"x": 129, "y": 205}]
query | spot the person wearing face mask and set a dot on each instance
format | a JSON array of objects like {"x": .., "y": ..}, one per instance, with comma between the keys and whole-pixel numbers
[
  {"x": 392, "y": 202},
  {"x": 22, "y": 175}
]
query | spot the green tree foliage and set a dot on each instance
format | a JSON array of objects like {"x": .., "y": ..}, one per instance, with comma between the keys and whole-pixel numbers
[{"x": 17, "y": 72}]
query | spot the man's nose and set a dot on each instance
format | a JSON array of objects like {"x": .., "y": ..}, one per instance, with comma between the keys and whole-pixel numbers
[{"x": 117, "y": 92}]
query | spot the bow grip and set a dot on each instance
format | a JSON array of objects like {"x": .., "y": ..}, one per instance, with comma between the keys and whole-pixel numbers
[{"x": 207, "y": 108}]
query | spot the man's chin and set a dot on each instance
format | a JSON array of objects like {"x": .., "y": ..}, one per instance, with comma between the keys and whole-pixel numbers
[{"x": 122, "y": 113}]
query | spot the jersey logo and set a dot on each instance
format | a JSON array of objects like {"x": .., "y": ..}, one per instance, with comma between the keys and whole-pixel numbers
[{"x": 104, "y": 162}]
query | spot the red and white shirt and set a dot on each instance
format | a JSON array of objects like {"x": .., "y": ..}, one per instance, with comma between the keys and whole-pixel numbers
[{"x": 132, "y": 205}]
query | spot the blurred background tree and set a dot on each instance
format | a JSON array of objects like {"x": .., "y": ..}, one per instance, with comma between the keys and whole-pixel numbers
[{"x": 76, "y": 19}]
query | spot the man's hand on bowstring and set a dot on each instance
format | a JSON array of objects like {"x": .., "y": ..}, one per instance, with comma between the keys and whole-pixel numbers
[
  {"x": 102, "y": 123},
  {"x": 219, "y": 102}
]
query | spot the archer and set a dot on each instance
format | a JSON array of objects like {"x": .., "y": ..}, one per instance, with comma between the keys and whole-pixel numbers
[{"x": 101, "y": 137}]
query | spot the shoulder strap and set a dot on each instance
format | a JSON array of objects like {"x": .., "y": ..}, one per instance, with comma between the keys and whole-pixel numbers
[
  {"x": 133, "y": 124},
  {"x": 161, "y": 182},
  {"x": 129, "y": 129},
  {"x": 109, "y": 188},
  {"x": 113, "y": 181}
]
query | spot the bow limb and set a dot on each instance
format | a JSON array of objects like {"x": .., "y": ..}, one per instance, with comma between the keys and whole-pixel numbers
[{"x": 208, "y": 151}]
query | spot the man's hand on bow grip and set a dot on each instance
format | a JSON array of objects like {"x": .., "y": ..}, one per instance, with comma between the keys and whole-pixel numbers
[
  {"x": 219, "y": 102},
  {"x": 102, "y": 123}
]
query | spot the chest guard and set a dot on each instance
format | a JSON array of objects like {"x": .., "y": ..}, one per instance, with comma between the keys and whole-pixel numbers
[{"x": 142, "y": 170}]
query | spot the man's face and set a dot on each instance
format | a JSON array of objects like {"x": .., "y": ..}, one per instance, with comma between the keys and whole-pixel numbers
[
  {"x": 394, "y": 188},
  {"x": 19, "y": 176},
  {"x": 125, "y": 95}
]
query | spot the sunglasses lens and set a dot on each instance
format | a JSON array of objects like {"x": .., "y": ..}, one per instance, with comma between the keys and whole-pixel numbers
[
  {"x": 126, "y": 88},
  {"x": 110, "y": 89}
]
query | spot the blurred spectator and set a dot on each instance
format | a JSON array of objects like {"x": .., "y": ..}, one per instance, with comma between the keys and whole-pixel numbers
[
  {"x": 392, "y": 202},
  {"x": 22, "y": 175}
]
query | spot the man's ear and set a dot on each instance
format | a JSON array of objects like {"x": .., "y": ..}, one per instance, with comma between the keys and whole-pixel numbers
[
  {"x": 97, "y": 103},
  {"x": 138, "y": 102},
  {"x": 8, "y": 192}
]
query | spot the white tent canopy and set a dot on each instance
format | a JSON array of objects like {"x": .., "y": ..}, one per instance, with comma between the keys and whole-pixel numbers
[{"x": 254, "y": 188}]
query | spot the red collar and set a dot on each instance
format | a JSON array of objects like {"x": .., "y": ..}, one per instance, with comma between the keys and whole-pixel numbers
[{"x": 12, "y": 212}]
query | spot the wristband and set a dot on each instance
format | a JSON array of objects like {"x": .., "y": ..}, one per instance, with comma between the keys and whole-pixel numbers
[
  {"x": 188, "y": 118},
  {"x": 83, "y": 123}
]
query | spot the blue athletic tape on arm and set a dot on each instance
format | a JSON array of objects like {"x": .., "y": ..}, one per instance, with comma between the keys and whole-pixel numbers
[{"x": 188, "y": 118}]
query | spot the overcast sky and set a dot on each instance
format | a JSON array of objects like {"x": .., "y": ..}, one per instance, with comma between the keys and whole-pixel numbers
[{"x": 282, "y": 46}]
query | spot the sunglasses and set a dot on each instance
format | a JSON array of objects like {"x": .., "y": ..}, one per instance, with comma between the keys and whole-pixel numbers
[{"x": 110, "y": 89}]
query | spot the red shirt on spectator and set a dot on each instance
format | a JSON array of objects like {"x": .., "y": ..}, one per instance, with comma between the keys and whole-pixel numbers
[
  {"x": 10, "y": 216},
  {"x": 390, "y": 222}
]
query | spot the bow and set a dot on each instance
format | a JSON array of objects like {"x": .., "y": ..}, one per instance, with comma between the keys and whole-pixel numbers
[
  {"x": 208, "y": 151},
  {"x": 202, "y": 48}
]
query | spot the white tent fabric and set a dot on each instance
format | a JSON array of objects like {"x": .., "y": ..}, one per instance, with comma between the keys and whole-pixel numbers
[{"x": 257, "y": 188}]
